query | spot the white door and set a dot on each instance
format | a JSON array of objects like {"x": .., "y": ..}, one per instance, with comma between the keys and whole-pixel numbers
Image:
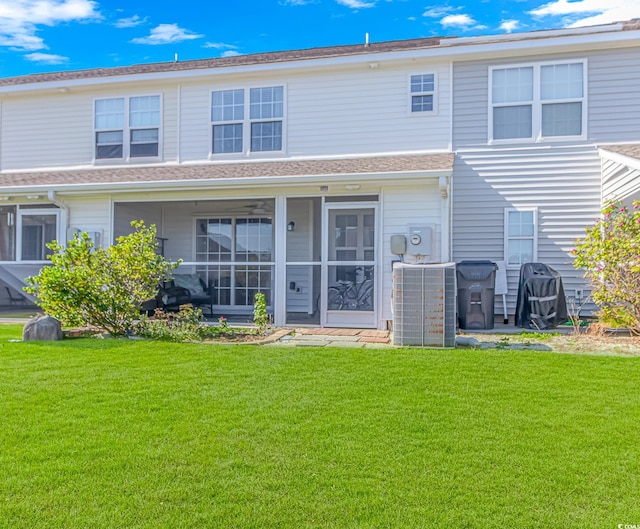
[{"x": 349, "y": 265}]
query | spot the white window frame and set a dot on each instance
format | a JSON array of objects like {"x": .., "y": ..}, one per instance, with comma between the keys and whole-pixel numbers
[
  {"x": 537, "y": 103},
  {"x": 433, "y": 93},
  {"x": 126, "y": 131},
  {"x": 233, "y": 264},
  {"x": 18, "y": 232},
  {"x": 507, "y": 239},
  {"x": 247, "y": 122}
]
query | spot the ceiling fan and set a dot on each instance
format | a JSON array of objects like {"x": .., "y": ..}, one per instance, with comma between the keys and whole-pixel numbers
[{"x": 259, "y": 207}]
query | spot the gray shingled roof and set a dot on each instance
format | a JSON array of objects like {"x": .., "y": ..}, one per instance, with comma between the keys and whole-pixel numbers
[
  {"x": 226, "y": 171},
  {"x": 258, "y": 58},
  {"x": 226, "y": 62},
  {"x": 631, "y": 150}
]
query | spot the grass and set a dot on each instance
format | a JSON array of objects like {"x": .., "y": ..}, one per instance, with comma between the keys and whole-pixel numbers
[{"x": 117, "y": 433}]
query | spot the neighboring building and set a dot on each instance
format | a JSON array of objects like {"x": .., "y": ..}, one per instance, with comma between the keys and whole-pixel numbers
[{"x": 288, "y": 172}]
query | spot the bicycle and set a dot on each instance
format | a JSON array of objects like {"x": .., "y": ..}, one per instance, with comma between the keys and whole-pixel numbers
[{"x": 349, "y": 295}]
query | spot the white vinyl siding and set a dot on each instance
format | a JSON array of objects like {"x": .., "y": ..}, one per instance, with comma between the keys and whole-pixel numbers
[
  {"x": 537, "y": 102},
  {"x": 403, "y": 206},
  {"x": 333, "y": 115},
  {"x": 561, "y": 183},
  {"x": 611, "y": 105},
  {"x": 620, "y": 181}
]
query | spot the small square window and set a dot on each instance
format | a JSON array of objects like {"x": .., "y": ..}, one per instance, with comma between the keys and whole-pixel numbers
[{"x": 422, "y": 89}]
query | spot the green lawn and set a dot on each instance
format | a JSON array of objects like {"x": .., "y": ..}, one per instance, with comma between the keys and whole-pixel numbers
[{"x": 127, "y": 434}]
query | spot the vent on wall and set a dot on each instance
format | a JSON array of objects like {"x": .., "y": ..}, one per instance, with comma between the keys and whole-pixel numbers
[{"x": 424, "y": 305}]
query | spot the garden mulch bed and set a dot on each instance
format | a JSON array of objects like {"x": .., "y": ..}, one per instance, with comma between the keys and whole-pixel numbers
[
  {"x": 601, "y": 343},
  {"x": 239, "y": 337}
]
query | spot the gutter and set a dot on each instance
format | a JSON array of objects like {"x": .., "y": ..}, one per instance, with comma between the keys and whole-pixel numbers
[
  {"x": 464, "y": 51},
  {"x": 222, "y": 183},
  {"x": 53, "y": 198}
]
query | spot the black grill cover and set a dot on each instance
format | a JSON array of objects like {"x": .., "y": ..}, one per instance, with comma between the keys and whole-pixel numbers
[{"x": 541, "y": 302}]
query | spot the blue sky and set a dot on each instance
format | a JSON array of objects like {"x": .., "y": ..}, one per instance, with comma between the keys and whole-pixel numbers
[{"x": 51, "y": 35}]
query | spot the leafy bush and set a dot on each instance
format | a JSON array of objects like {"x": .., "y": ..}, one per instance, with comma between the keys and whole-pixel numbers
[
  {"x": 260, "y": 316},
  {"x": 610, "y": 254},
  {"x": 102, "y": 287},
  {"x": 182, "y": 326}
]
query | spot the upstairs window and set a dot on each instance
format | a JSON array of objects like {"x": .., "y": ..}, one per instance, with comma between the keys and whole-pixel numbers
[
  {"x": 227, "y": 115},
  {"x": 127, "y": 127},
  {"x": 422, "y": 92},
  {"x": 537, "y": 102},
  {"x": 241, "y": 128}
]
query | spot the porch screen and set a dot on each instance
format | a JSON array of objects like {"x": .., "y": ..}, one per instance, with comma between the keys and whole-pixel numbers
[{"x": 236, "y": 256}]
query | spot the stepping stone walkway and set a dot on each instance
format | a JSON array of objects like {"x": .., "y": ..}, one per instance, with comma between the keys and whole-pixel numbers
[{"x": 354, "y": 338}]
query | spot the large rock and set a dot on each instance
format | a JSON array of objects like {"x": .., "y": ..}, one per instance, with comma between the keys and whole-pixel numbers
[{"x": 42, "y": 328}]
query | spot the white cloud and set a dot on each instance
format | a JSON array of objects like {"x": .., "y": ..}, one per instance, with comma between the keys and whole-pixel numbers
[
  {"x": 46, "y": 58},
  {"x": 231, "y": 53},
  {"x": 19, "y": 19},
  {"x": 219, "y": 46},
  {"x": 356, "y": 4},
  {"x": 509, "y": 25},
  {"x": 459, "y": 21},
  {"x": 437, "y": 11},
  {"x": 130, "y": 22},
  {"x": 166, "y": 34},
  {"x": 589, "y": 12},
  {"x": 296, "y": 2}
]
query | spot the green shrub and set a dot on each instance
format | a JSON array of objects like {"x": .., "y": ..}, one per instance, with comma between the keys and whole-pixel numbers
[
  {"x": 182, "y": 326},
  {"x": 610, "y": 255},
  {"x": 101, "y": 287},
  {"x": 260, "y": 316}
]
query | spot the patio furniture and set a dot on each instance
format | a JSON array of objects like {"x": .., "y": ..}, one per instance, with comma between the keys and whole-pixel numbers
[
  {"x": 200, "y": 294},
  {"x": 17, "y": 298}
]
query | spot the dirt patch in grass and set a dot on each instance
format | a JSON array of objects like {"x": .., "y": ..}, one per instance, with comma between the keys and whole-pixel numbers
[{"x": 595, "y": 343}]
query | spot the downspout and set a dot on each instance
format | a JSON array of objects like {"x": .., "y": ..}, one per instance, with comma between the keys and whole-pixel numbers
[
  {"x": 53, "y": 198},
  {"x": 1, "y": 131},
  {"x": 179, "y": 127}
]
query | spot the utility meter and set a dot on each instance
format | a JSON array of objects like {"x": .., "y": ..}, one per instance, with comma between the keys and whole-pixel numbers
[{"x": 419, "y": 240}]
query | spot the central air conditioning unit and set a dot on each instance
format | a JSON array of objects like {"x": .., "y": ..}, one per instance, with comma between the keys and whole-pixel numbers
[{"x": 424, "y": 304}]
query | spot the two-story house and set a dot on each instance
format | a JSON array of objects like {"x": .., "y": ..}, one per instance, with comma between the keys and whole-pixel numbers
[{"x": 285, "y": 173}]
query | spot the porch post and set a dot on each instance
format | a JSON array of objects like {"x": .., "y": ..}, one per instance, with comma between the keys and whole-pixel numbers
[{"x": 280, "y": 272}]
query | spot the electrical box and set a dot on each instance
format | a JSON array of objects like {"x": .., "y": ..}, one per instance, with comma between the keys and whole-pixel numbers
[
  {"x": 419, "y": 240},
  {"x": 94, "y": 234},
  {"x": 398, "y": 244}
]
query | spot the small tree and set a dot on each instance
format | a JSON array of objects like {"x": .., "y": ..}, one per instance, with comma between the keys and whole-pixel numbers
[
  {"x": 610, "y": 254},
  {"x": 260, "y": 316},
  {"x": 103, "y": 287}
]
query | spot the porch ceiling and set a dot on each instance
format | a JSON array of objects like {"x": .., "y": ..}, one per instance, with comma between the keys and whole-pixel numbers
[{"x": 147, "y": 176}]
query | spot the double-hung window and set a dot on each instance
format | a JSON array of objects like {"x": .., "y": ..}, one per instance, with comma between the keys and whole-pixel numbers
[
  {"x": 537, "y": 102},
  {"x": 239, "y": 127},
  {"x": 227, "y": 115},
  {"x": 127, "y": 127},
  {"x": 520, "y": 241},
  {"x": 422, "y": 88}
]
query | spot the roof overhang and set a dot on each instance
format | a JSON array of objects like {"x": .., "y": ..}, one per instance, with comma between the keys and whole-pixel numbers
[
  {"x": 599, "y": 37},
  {"x": 628, "y": 155},
  {"x": 229, "y": 176}
]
